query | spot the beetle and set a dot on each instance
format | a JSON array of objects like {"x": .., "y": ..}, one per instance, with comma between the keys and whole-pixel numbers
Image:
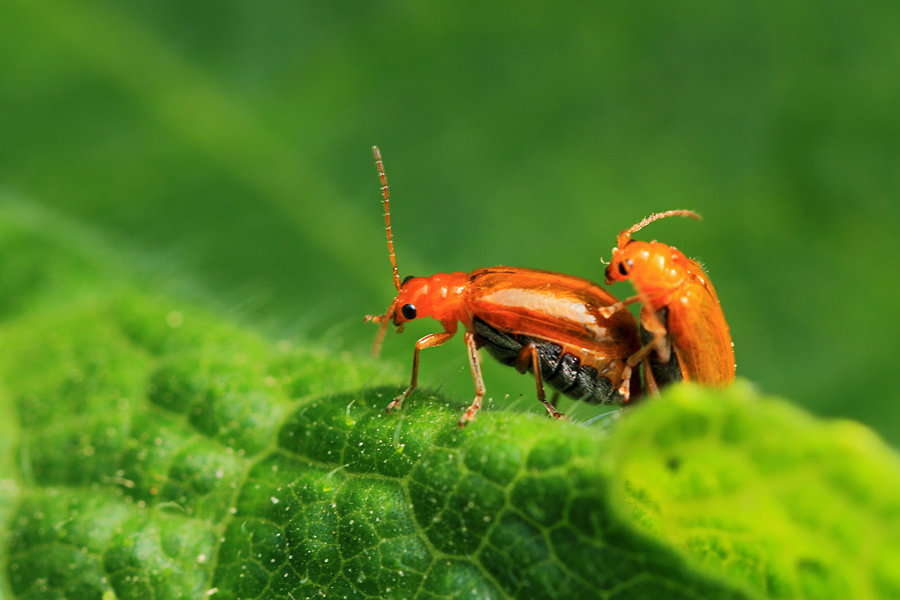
[
  {"x": 546, "y": 323},
  {"x": 683, "y": 328}
]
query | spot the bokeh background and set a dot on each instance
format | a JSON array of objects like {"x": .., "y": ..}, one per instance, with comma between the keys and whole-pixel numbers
[{"x": 224, "y": 148}]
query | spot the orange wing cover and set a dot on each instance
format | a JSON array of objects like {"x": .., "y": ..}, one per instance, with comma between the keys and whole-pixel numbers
[
  {"x": 552, "y": 306},
  {"x": 699, "y": 333}
]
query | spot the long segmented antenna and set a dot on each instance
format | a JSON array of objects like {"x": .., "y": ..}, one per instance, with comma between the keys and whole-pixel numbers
[
  {"x": 625, "y": 236},
  {"x": 385, "y": 319},
  {"x": 379, "y": 164}
]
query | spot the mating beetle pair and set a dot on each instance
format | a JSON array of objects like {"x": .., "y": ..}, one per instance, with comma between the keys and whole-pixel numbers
[{"x": 568, "y": 331}]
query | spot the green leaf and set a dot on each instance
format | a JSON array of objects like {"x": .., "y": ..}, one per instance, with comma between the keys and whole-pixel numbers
[
  {"x": 758, "y": 492},
  {"x": 154, "y": 449}
]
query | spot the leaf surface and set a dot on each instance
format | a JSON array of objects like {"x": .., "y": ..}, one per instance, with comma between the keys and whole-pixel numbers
[{"x": 154, "y": 449}]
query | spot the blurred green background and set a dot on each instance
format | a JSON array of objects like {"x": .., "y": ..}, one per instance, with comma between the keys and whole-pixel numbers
[{"x": 224, "y": 147}]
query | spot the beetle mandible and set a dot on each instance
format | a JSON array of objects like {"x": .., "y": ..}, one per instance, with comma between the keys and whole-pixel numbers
[
  {"x": 547, "y": 323},
  {"x": 685, "y": 333}
]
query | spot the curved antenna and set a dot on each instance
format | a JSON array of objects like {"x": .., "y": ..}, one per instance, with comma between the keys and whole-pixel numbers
[
  {"x": 379, "y": 164},
  {"x": 625, "y": 236}
]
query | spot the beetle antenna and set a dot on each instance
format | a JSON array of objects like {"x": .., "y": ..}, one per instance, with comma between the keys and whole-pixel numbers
[
  {"x": 625, "y": 236},
  {"x": 379, "y": 164}
]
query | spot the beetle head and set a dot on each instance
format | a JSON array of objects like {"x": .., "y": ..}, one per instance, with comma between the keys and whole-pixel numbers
[
  {"x": 440, "y": 296},
  {"x": 413, "y": 301},
  {"x": 652, "y": 266}
]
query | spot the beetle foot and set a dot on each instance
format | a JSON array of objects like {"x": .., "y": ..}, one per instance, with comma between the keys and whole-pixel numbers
[
  {"x": 625, "y": 388},
  {"x": 469, "y": 415},
  {"x": 551, "y": 411},
  {"x": 607, "y": 311},
  {"x": 395, "y": 404}
]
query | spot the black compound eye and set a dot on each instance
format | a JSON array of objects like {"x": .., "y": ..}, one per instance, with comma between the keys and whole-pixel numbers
[
  {"x": 408, "y": 311},
  {"x": 623, "y": 268},
  {"x": 407, "y": 278}
]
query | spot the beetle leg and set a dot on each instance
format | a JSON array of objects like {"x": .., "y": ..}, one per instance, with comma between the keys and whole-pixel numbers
[
  {"x": 625, "y": 387},
  {"x": 554, "y": 401},
  {"x": 659, "y": 344},
  {"x": 658, "y": 341},
  {"x": 429, "y": 341},
  {"x": 607, "y": 311},
  {"x": 475, "y": 363},
  {"x": 654, "y": 325},
  {"x": 631, "y": 363},
  {"x": 650, "y": 380},
  {"x": 529, "y": 354},
  {"x": 651, "y": 323}
]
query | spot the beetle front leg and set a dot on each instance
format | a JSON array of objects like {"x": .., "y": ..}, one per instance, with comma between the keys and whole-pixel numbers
[
  {"x": 429, "y": 341},
  {"x": 607, "y": 311},
  {"x": 475, "y": 363}
]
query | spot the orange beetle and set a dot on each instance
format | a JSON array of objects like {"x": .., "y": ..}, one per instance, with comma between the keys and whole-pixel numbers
[
  {"x": 686, "y": 335},
  {"x": 538, "y": 321}
]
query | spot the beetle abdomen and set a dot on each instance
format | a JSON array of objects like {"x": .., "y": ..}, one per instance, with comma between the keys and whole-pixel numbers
[{"x": 562, "y": 370}]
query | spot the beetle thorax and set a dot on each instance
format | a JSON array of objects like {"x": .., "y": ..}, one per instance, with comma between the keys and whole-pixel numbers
[
  {"x": 440, "y": 296},
  {"x": 655, "y": 268}
]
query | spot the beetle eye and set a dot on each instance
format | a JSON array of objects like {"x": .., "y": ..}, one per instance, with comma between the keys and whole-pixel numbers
[
  {"x": 408, "y": 311},
  {"x": 623, "y": 269},
  {"x": 407, "y": 278}
]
